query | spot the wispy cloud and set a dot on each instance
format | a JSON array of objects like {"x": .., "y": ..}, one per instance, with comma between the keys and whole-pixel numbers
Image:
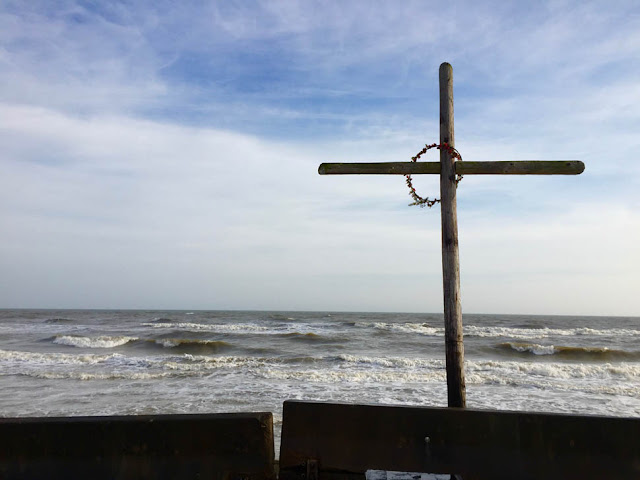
[{"x": 165, "y": 155}]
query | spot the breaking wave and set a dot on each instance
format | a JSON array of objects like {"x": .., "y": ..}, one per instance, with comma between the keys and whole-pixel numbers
[
  {"x": 54, "y": 358},
  {"x": 103, "y": 341},
  {"x": 537, "y": 333},
  {"x": 489, "y": 332},
  {"x": 186, "y": 344},
  {"x": 216, "y": 327},
  {"x": 570, "y": 352},
  {"x": 409, "y": 327}
]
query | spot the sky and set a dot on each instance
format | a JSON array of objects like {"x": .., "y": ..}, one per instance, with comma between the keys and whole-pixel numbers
[{"x": 164, "y": 155}]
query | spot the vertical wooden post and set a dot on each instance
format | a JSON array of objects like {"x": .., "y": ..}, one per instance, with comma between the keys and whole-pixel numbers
[{"x": 456, "y": 389}]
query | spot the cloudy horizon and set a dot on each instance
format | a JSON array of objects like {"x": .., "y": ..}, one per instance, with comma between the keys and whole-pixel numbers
[{"x": 164, "y": 156}]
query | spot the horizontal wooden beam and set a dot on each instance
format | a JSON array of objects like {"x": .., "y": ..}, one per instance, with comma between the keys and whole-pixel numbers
[
  {"x": 527, "y": 167},
  {"x": 387, "y": 168}
]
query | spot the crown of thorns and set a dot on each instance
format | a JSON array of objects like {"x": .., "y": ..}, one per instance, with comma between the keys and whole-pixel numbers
[{"x": 430, "y": 202}]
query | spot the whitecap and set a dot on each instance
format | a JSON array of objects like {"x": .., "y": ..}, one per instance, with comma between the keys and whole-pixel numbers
[
  {"x": 55, "y": 358},
  {"x": 217, "y": 327},
  {"x": 103, "y": 341},
  {"x": 533, "y": 348}
]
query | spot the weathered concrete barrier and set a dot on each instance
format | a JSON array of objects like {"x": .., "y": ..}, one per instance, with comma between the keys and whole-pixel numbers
[
  {"x": 218, "y": 446},
  {"x": 343, "y": 441}
]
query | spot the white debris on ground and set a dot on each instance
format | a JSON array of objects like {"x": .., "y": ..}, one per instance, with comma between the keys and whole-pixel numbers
[{"x": 384, "y": 475}]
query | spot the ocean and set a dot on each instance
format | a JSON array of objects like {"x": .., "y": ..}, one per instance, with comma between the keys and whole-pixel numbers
[{"x": 108, "y": 362}]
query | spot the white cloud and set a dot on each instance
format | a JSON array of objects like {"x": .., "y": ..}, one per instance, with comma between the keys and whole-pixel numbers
[
  {"x": 147, "y": 212},
  {"x": 129, "y": 182}
]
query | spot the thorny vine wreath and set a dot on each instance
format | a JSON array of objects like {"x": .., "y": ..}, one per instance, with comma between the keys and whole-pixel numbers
[{"x": 417, "y": 199}]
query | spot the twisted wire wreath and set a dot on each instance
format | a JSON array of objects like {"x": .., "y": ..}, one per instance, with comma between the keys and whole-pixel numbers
[{"x": 428, "y": 202}]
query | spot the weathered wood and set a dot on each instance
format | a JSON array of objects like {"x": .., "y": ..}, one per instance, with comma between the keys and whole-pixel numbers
[
  {"x": 525, "y": 167},
  {"x": 347, "y": 440},
  {"x": 384, "y": 168},
  {"x": 215, "y": 446},
  {"x": 454, "y": 347},
  {"x": 448, "y": 168}
]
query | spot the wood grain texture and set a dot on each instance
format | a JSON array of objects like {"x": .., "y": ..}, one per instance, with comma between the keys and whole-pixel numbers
[
  {"x": 522, "y": 167},
  {"x": 384, "y": 168},
  {"x": 456, "y": 389},
  {"x": 511, "y": 167}
]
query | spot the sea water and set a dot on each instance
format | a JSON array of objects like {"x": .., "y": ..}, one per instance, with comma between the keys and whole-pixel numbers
[{"x": 66, "y": 362}]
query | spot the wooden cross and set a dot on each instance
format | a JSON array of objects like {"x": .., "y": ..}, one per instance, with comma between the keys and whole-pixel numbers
[{"x": 448, "y": 168}]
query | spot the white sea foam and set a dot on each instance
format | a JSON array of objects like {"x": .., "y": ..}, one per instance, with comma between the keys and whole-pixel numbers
[
  {"x": 495, "y": 331},
  {"x": 177, "y": 342},
  {"x": 607, "y": 380},
  {"x": 611, "y": 379},
  {"x": 331, "y": 377},
  {"x": 383, "y": 368},
  {"x": 630, "y": 371},
  {"x": 103, "y": 341},
  {"x": 400, "y": 366},
  {"x": 370, "y": 361},
  {"x": 412, "y": 328},
  {"x": 591, "y": 379},
  {"x": 220, "y": 328},
  {"x": 392, "y": 362},
  {"x": 536, "y": 333},
  {"x": 249, "y": 328},
  {"x": 189, "y": 362},
  {"x": 55, "y": 358},
  {"x": 519, "y": 333},
  {"x": 533, "y": 348},
  {"x": 84, "y": 376}
]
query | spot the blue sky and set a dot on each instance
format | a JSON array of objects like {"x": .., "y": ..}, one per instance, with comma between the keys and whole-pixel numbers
[{"x": 164, "y": 154}]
